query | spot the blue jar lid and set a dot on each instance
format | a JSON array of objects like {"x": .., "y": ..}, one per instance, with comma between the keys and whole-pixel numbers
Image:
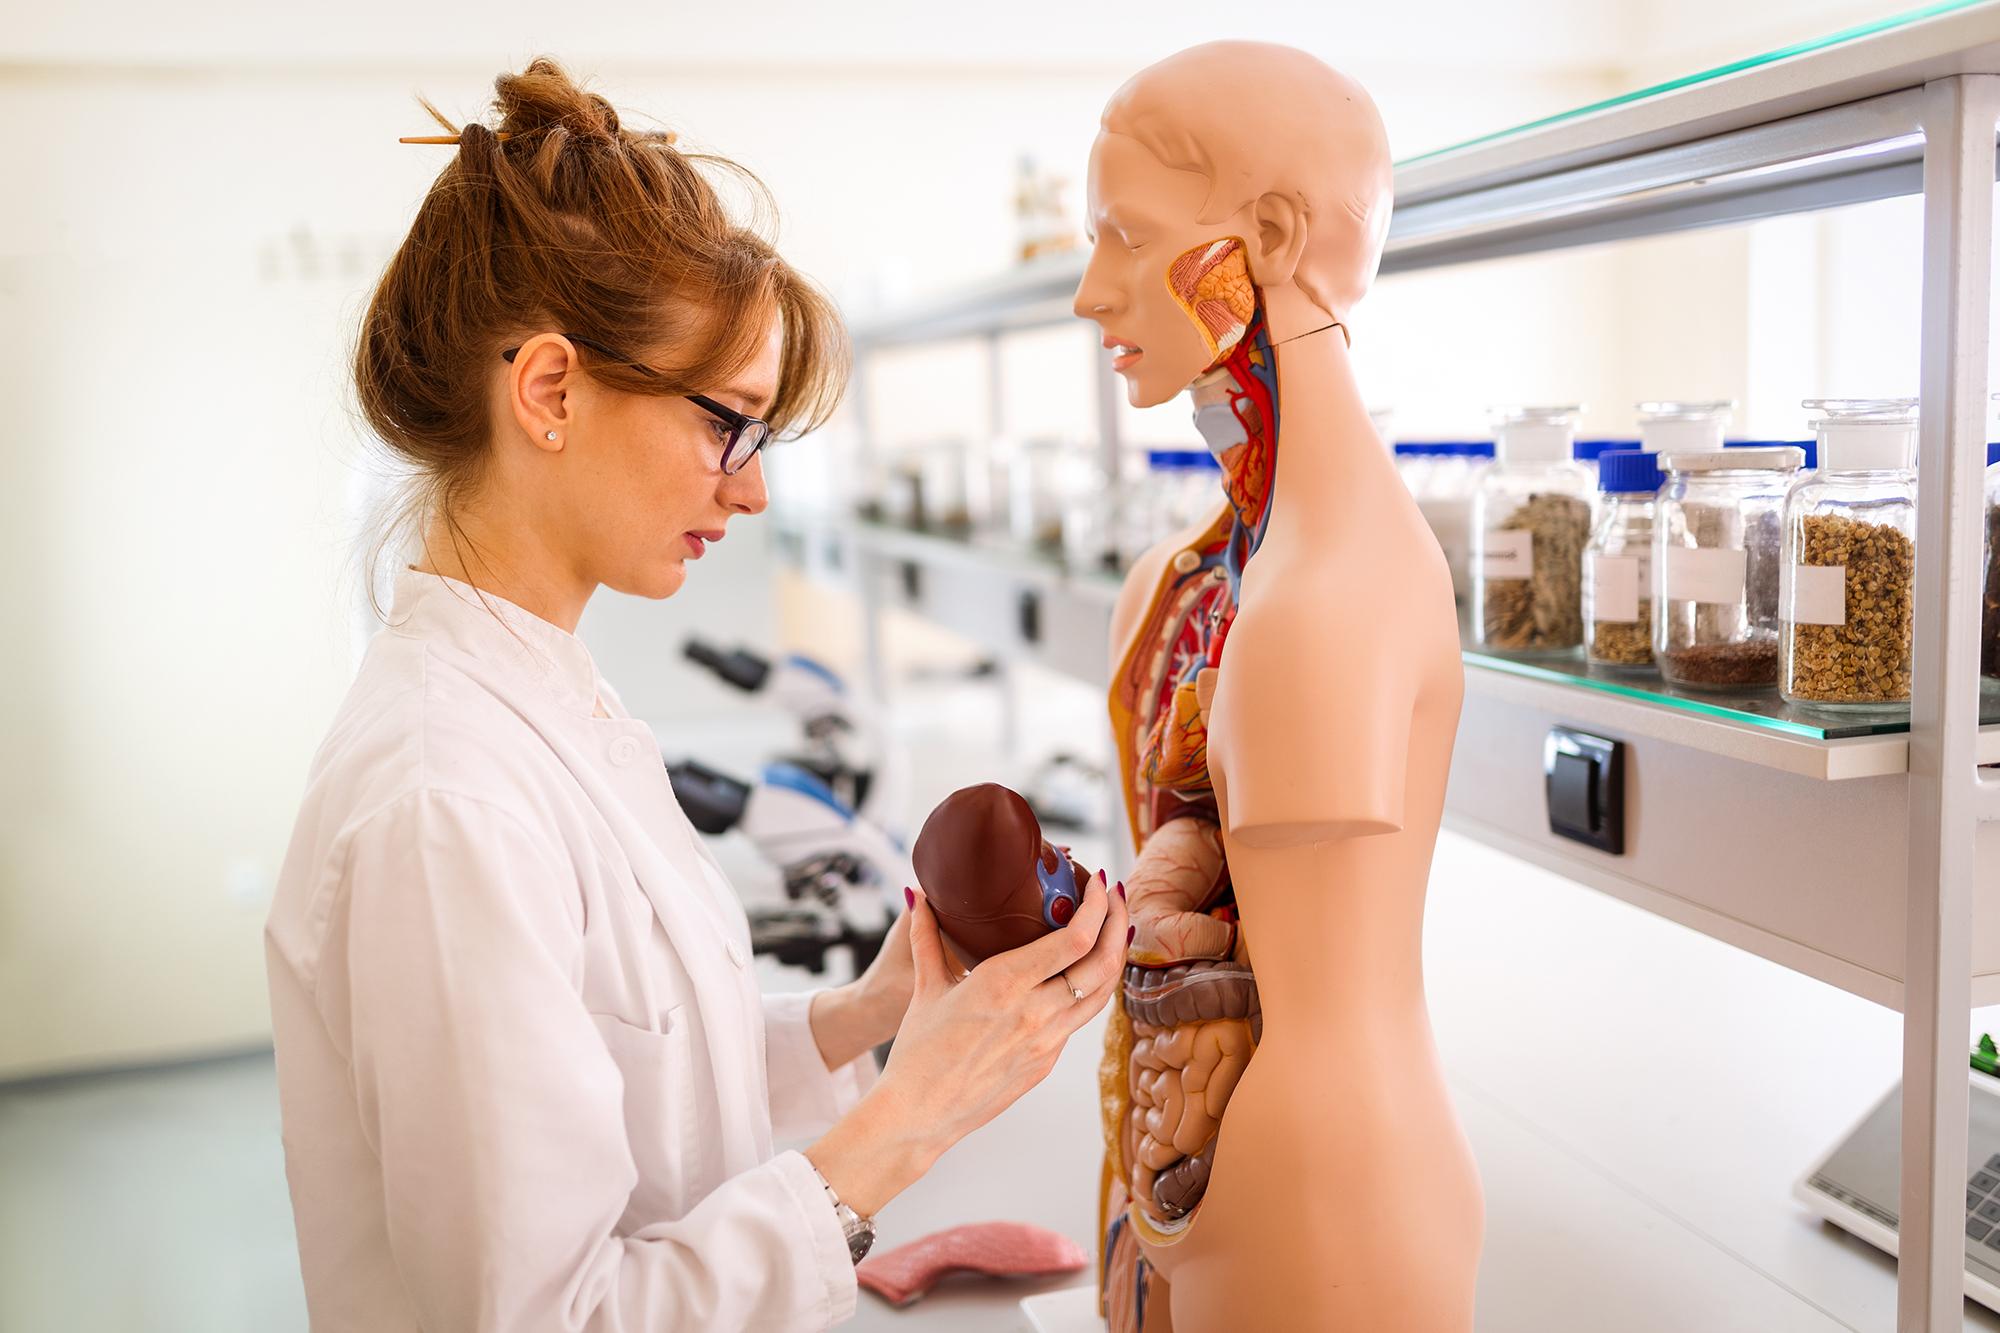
[
  {"x": 1993, "y": 453},
  {"x": 1589, "y": 451},
  {"x": 1477, "y": 448},
  {"x": 1181, "y": 460},
  {"x": 1628, "y": 470},
  {"x": 1810, "y": 446}
]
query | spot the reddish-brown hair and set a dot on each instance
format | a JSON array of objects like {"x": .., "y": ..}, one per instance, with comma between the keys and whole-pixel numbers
[{"x": 574, "y": 223}]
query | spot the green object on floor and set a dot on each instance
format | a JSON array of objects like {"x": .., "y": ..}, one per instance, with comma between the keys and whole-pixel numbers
[{"x": 1987, "y": 1058}]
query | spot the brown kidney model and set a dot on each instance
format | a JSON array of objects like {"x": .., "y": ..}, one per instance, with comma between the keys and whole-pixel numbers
[{"x": 987, "y": 872}]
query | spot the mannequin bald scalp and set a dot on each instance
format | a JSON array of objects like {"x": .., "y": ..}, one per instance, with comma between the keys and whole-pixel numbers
[{"x": 1196, "y": 111}]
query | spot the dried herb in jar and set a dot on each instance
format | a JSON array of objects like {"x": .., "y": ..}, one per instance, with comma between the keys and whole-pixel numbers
[
  {"x": 1866, "y": 659},
  {"x": 1624, "y": 644},
  {"x": 1741, "y": 662},
  {"x": 1763, "y": 546},
  {"x": 1989, "y": 639},
  {"x": 1543, "y": 612}
]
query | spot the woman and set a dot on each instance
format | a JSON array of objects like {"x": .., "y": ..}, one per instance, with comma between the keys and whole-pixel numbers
[{"x": 527, "y": 1079}]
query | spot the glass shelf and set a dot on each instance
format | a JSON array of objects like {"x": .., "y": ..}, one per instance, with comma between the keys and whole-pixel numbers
[
  {"x": 1760, "y": 708},
  {"x": 1720, "y": 71}
]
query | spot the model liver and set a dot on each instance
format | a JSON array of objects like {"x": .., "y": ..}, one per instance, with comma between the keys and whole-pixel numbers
[{"x": 994, "y": 882}]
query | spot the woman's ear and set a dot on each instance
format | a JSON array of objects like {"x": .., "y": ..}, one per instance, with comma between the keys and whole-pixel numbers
[
  {"x": 538, "y": 384},
  {"x": 1278, "y": 238}
]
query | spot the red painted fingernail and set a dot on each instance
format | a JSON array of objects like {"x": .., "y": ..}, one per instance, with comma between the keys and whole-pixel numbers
[
  {"x": 909, "y": 896},
  {"x": 1121, "y": 889},
  {"x": 1130, "y": 931}
]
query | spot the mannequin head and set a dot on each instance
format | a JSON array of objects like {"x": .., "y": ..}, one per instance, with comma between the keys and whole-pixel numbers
[{"x": 1250, "y": 140}]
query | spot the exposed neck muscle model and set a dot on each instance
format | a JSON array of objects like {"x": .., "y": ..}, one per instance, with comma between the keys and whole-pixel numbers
[{"x": 1285, "y": 694}]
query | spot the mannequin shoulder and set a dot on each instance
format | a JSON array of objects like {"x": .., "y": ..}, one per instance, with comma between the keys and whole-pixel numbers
[
  {"x": 1341, "y": 619},
  {"x": 1142, "y": 580}
]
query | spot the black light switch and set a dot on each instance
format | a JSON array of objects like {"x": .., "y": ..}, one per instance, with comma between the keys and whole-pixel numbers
[
  {"x": 1586, "y": 788},
  {"x": 1030, "y": 607}
]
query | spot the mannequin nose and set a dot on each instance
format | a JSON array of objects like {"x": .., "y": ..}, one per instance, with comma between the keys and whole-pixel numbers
[{"x": 1088, "y": 304}]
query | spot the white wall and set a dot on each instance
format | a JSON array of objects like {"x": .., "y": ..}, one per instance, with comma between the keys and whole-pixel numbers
[{"x": 201, "y": 200}]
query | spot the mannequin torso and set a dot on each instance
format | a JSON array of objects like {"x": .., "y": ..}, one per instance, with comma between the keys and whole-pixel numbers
[{"x": 1338, "y": 1174}]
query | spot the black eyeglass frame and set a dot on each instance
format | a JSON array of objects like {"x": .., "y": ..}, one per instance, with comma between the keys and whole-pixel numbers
[{"x": 755, "y": 429}]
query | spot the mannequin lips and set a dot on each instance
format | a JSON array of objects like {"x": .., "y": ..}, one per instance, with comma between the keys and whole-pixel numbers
[{"x": 1126, "y": 358}]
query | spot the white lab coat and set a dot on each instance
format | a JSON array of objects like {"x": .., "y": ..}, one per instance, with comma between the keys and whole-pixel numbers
[{"x": 527, "y": 1078}]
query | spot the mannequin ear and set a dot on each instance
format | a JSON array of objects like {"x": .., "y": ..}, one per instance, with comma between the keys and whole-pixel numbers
[{"x": 1279, "y": 238}]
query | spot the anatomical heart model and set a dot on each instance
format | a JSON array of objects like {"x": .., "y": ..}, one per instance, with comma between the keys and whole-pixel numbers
[{"x": 1280, "y": 1148}]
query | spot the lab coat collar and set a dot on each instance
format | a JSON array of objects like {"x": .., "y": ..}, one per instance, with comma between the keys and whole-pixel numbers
[{"x": 436, "y": 605}]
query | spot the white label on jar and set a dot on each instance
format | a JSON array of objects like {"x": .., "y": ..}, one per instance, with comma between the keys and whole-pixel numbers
[
  {"x": 1819, "y": 595},
  {"x": 1508, "y": 554},
  {"x": 1614, "y": 586},
  {"x": 1705, "y": 574}
]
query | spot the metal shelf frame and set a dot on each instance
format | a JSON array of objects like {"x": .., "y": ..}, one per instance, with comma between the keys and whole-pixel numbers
[{"x": 1907, "y": 111}]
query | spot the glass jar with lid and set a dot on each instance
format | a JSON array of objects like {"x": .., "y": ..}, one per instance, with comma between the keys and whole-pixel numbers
[
  {"x": 1717, "y": 556},
  {"x": 1530, "y": 522},
  {"x": 1414, "y": 461},
  {"x": 1850, "y": 558},
  {"x": 1683, "y": 427},
  {"x": 1618, "y": 563},
  {"x": 1989, "y": 621},
  {"x": 1186, "y": 486}
]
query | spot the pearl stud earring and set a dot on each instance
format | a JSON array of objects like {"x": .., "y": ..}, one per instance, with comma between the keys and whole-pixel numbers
[{"x": 551, "y": 435}]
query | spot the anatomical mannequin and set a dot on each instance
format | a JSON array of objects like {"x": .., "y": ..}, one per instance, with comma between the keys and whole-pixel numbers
[{"x": 1281, "y": 1151}]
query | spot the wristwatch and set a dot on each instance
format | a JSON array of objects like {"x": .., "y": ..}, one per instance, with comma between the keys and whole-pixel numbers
[{"x": 859, "y": 1230}]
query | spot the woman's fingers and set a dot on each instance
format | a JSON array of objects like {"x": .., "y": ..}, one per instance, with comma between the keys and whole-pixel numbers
[
  {"x": 1055, "y": 951},
  {"x": 1106, "y": 960},
  {"x": 934, "y": 974}
]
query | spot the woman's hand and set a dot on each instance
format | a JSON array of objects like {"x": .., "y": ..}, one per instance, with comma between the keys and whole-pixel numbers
[
  {"x": 970, "y": 1048},
  {"x": 867, "y": 1011},
  {"x": 883, "y": 991}
]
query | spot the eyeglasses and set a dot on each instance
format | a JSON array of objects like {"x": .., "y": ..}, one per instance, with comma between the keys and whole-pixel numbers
[{"x": 747, "y": 435}]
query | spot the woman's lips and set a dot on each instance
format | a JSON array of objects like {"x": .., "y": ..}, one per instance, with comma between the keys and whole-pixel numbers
[{"x": 695, "y": 544}]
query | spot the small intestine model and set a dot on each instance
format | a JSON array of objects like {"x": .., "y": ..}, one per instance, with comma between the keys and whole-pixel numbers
[{"x": 990, "y": 877}]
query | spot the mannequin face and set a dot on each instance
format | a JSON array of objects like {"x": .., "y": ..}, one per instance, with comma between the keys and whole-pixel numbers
[{"x": 1141, "y": 217}]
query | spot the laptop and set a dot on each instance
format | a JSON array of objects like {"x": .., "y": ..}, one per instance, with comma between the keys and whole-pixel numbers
[{"x": 1855, "y": 1185}]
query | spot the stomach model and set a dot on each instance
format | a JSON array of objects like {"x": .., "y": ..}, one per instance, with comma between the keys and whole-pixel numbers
[{"x": 994, "y": 882}]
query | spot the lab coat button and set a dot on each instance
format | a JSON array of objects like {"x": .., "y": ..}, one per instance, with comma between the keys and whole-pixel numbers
[
  {"x": 625, "y": 749},
  {"x": 737, "y": 954}
]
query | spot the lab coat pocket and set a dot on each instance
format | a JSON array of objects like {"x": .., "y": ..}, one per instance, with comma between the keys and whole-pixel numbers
[{"x": 658, "y": 1072}]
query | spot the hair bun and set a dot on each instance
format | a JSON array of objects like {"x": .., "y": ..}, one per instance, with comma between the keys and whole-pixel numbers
[{"x": 543, "y": 97}]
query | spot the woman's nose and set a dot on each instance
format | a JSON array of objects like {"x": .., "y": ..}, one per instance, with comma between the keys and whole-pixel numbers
[{"x": 744, "y": 490}]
